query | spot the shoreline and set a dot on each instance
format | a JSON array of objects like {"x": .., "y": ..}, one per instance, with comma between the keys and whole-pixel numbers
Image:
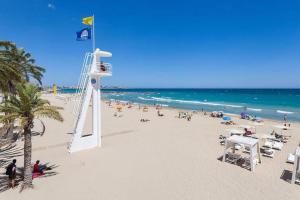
[
  {"x": 70, "y": 95},
  {"x": 198, "y": 111}
]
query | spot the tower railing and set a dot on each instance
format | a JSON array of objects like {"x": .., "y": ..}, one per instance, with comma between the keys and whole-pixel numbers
[{"x": 81, "y": 87}]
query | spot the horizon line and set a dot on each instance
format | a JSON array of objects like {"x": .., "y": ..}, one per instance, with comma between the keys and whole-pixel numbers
[{"x": 246, "y": 88}]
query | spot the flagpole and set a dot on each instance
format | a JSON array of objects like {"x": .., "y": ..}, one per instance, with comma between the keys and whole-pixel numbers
[{"x": 93, "y": 33}]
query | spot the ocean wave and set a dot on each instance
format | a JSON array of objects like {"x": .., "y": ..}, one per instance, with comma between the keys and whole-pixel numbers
[
  {"x": 284, "y": 112},
  {"x": 145, "y": 99},
  {"x": 255, "y": 109},
  {"x": 164, "y": 105},
  {"x": 233, "y": 106},
  {"x": 195, "y": 102}
]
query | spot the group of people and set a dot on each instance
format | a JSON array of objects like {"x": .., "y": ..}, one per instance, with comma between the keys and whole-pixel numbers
[
  {"x": 217, "y": 114},
  {"x": 11, "y": 172},
  {"x": 185, "y": 115}
]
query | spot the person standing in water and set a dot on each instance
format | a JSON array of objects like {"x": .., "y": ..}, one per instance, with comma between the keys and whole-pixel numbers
[{"x": 285, "y": 119}]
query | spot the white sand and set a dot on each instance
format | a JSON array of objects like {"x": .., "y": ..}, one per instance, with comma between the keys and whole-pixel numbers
[{"x": 166, "y": 158}]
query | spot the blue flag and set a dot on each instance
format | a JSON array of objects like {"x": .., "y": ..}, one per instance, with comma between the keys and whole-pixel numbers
[{"x": 84, "y": 34}]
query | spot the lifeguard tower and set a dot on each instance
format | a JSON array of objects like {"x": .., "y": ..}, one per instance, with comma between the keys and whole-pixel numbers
[{"x": 89, "y": 89}]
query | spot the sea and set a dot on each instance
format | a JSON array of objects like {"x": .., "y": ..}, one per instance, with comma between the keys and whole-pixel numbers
[{"x": 264, "y": 103}]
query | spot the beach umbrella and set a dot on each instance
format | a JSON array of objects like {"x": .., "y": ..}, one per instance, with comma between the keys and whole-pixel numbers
[
  {"x": 119, "y": 108},
  {"x": 244, "y": 115},
  {"x": 226, "y": 118}
]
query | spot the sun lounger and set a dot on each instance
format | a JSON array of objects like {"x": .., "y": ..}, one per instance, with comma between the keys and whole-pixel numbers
[
  {"x": 268, "y": 144},
  {"x": 273, "y": 144},
  {"x": 268, "y": 152},
  {"x": 247, "y": 150},
  {"x": 247, "y": 163},
  {"x": 291, "y": 158},
  {"x": 238, "y": 146},
  {"x": 277, "y": 145},
  {"x": 233, "y": 158},
  {"x": 222, "y": 139}
]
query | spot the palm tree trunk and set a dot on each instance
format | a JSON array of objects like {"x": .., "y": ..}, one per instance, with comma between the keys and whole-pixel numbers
[
  {"x": 10, "y": 131},
  {"x": 27, "y": 183}
]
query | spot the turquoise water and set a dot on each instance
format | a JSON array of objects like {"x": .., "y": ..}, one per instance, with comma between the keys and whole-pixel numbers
[{"x": 265, "y": 103}]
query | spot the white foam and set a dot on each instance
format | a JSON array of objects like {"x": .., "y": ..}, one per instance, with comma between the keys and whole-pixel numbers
[
  {"x": 284, "y": 112},
  {"x": 233, "y": 106},
  {"x": 195, "y": 102},
  {"x": 145, "y": 99},
  {"x": 255, "y": 109},
  {"x": 164, "y": 105}
]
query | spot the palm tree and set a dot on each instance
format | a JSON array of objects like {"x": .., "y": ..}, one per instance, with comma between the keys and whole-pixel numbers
[
  {"x": 27, "y": 66},
  {"x": 8, "y": 70},
  {"x": 25, "y": 106},
  {"x": 16, "y": 66}
]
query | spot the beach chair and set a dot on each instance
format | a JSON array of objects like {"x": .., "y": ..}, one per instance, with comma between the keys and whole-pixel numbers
[
  {"x": 222, "y": 139},
  {"x": 274, "y": 144},
  {"x": 277, "y": 145},
  {"x": 291, "y": 158},
  {"x": 247, "y": 163},
  {"x": 246, "y": 150},
  {"x": 238, "y": 146},
  {"x": 267, "y": 152},
  {"x": 233, "y": 158},
  {"x": 268, "y": 144}
]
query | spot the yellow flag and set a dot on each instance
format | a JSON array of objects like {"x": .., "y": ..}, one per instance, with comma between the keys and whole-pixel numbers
[{"x": 88, "y": 20}]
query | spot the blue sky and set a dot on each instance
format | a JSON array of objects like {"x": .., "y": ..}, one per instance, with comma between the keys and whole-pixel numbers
[{"x": 204, "y": 43}]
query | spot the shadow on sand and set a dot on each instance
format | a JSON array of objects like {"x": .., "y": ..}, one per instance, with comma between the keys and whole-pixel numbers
[
  {"x": 118, "y": 133},
  {"x": 4, "y": 178},
  {"x": 287, "y": 176},
  {"x": 8, "y": 153}
]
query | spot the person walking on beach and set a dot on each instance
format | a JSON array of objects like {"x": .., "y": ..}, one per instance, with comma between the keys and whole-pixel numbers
[{"x": 11, "y": 172}]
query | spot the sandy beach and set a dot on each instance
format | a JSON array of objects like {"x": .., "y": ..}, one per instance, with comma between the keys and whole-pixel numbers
[{"x": 165, "y": 158}]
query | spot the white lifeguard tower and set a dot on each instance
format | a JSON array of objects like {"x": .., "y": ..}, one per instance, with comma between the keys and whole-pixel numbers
[
  {"x": 295, "y": 174},
  {"x": 89, "y": 88}
]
